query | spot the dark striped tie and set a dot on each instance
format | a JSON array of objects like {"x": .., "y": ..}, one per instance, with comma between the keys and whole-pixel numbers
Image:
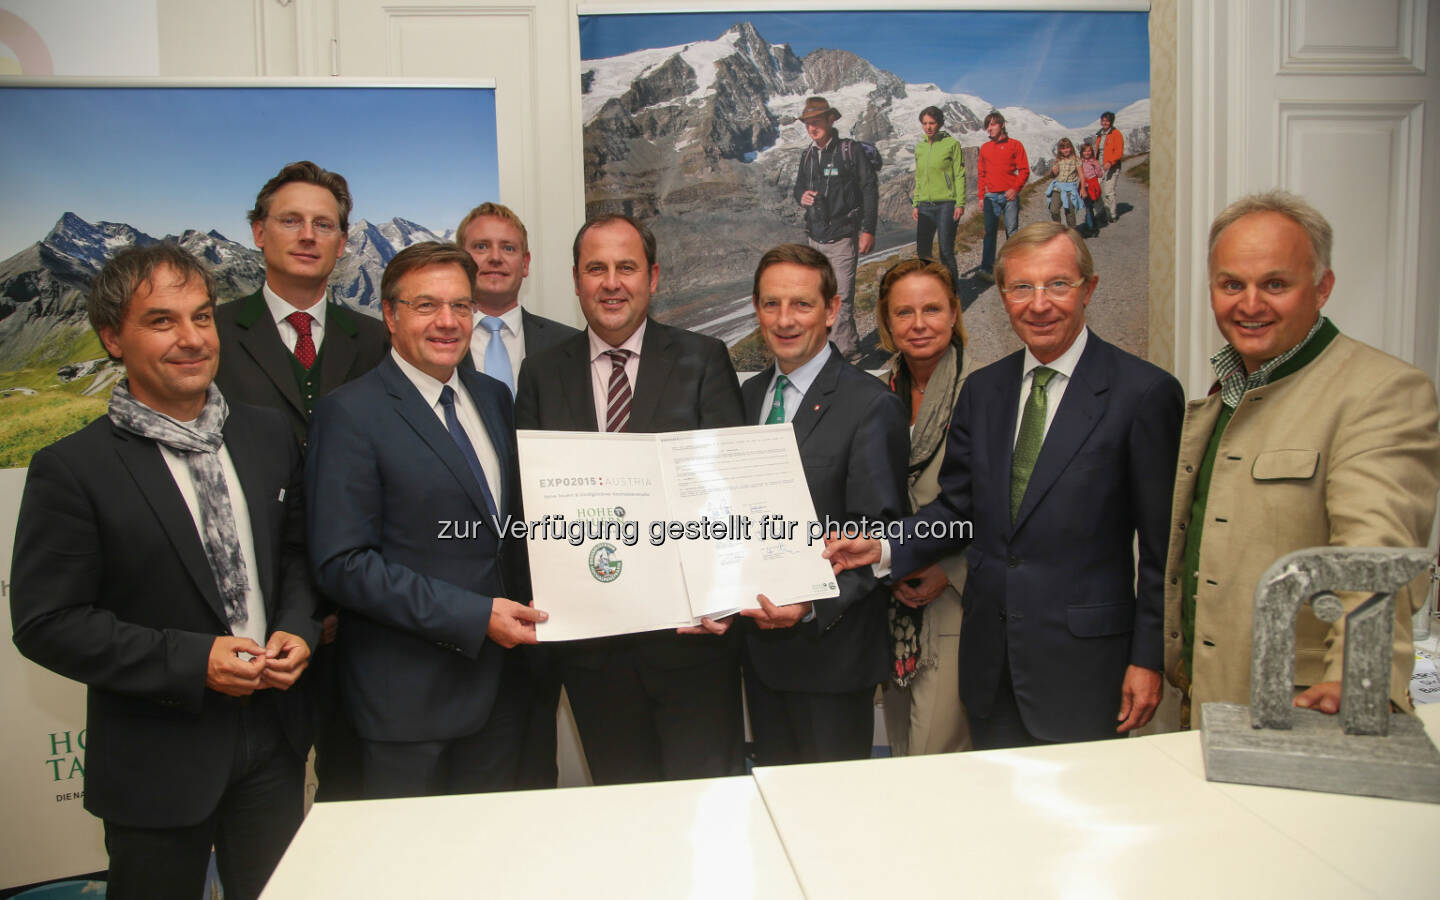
[{"x": 618, "y": 405}]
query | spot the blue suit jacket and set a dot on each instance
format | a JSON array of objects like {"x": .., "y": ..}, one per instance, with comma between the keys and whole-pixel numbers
[
  {"x": 1057, "y": 589},
  {"x": 400, "y": 538}
]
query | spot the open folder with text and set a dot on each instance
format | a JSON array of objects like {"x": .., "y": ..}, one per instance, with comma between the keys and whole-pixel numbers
[{"x": 639, "y": 532}]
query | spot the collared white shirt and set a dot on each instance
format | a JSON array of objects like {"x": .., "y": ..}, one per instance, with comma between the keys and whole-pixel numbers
[
  {"x": 512, "y": 336},
  {"x": 254, "y": 627},
  {"x": 799, "y": 384},
  {"x": 469, "y": 417},
  {"x": 600, "y": 367},
  {"x": 1064, "y": 368},
  {"x": 280, "y": 308}
]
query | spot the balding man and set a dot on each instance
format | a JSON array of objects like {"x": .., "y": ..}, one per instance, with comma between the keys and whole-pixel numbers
[{"x": 1308, "y": 438}]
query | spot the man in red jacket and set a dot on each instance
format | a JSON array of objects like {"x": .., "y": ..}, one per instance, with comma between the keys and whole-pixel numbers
[{"x": 1002, "y": 171}]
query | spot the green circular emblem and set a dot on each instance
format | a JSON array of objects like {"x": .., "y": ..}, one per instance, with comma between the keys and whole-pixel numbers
[{"x": 603, "y": 564}]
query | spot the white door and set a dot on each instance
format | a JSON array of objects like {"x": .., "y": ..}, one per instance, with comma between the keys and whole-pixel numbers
[{"x": 1330, "y": 99}]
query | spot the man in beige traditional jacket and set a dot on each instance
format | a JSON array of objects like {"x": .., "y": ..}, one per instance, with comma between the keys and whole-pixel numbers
[{"x": 1307, "y": 439}]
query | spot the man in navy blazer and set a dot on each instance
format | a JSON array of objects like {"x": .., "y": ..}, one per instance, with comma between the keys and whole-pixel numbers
[
  {"x": 811, "y": 668},
  {"x": 159, "y": 559},
  {"x": 413, "y": 473},
  {"x": 1062, "y": 637}
]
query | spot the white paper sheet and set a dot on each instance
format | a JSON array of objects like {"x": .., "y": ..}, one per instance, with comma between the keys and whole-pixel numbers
[
  {"x": 587, "y": 497},
  {"x": 743, "y": 491}
]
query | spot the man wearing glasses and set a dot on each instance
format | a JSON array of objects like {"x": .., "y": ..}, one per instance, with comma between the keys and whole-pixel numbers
[
  {"x": 287, "y": 345},
  {"x": 412, "y": 472},
  {"x": 1059, "y": 456}
]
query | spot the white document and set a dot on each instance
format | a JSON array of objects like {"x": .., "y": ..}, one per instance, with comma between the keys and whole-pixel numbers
[
  {"x": 746, "y": 486},
  {"x": 640, "y": 532},
  {"x": 587, "y": 497}
]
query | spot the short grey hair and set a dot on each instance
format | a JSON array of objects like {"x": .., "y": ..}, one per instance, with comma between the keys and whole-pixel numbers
[
  {"x": 122, "y": 276},
  {"x": 1291, "y": 206}
]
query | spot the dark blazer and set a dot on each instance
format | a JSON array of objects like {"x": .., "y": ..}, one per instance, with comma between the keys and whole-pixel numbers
[
  {"x": 542, "y": 333},
  {"x": 854, "y": 443},
  {"x": 401, "y": 539},
  {"x": 111, "y": 587},
  {"x": 255, "y": 366},
  {"x": 685, "y": 382},
  {"x": 1059, "y": 585}
]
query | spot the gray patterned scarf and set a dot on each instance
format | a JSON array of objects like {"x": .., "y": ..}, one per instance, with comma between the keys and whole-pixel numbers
[{"x": 199, "y": 443}]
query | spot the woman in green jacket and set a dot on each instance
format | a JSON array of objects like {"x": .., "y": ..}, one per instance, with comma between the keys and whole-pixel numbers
[{"x": 939, "y": 198}]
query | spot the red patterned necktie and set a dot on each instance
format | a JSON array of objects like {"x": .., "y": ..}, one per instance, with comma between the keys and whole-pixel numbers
[
  {"x": 618, "y": 404},
  {"x": 305, "y": 346}
]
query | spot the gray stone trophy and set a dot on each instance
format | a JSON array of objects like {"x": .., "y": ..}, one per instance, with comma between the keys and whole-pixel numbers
[{"x": 1366, "y": 749}]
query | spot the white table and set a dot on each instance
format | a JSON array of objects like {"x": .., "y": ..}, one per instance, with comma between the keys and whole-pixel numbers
[
  {"x": 1126, "y": 818},
  {"x": 1130, "y": 818},
  {"x": 706, "y": 838}
]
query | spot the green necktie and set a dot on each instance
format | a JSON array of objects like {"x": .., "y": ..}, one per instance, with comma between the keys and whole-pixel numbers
[
  {"x": 777, "y": 406},
  {"x": 1032, "y": 435}
]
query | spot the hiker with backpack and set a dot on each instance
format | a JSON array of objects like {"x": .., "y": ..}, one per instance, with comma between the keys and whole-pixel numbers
[{"x": 838, "y": 189}]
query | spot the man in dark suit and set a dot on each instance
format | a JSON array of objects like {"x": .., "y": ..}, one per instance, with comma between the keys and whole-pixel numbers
[
  {"x": 159, "y": 559},
  {"x": 504, "y": 334},
  {"x": 811, "y": 669},
  {"x": 412, "y": 472},
  {"x": 1058, "y": 457},
  {"x": 650, "y": 706},
  {"x": 285, "y": 346},
  {"x": 288, "y": 344}
]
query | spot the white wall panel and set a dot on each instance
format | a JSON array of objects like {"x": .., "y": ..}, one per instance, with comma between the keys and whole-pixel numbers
[
  {"x": 1337, "y": 36},
  {"x": 525, "y": 48},
  {"x": 1359, "y": 164}
]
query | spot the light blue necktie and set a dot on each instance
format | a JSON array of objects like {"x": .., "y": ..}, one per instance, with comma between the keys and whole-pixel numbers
[{"x": 497, "y": 358}]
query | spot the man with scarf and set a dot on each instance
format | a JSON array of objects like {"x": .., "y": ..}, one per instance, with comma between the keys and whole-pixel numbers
[{"x": 159, "y": 560}]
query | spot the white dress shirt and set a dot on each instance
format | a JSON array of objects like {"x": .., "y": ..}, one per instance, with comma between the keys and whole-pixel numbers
[
  {"x": 468, "y": 415},
  {"x": 600, "y": 367},
  {"x": 280, "y": 309},
  {"x": 512, "y": 336}
]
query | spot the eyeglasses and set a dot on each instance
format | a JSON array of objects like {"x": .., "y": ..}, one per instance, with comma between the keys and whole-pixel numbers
[
  {"x": 322, "y": 227},
  {"x": 1024, "y": 293},
  {"x": 462, "y": 309}
]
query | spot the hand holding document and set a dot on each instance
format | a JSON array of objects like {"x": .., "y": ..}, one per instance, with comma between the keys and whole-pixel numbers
[{"x": 637, "y": 532}]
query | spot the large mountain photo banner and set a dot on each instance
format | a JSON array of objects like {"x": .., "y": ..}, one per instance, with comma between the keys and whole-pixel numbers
[
  {"x": 87, "y": 170},
  {"x": 691, "y": 123}
]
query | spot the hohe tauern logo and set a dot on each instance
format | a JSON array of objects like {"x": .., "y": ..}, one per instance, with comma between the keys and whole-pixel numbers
[{"x": 603, "y": 564}]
